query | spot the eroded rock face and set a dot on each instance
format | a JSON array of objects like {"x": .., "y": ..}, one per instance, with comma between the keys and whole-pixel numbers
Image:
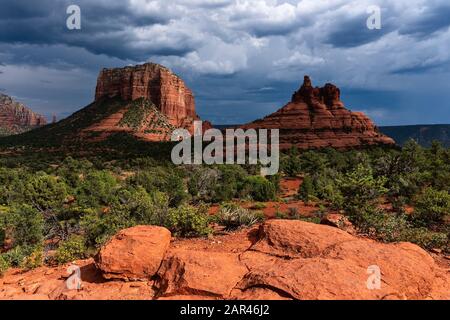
[
  {"x": 16, "y": 118},
  {"x": 281, "y": 259},
  {"x": 154, "y": 82},
  {"x": 298, "y": 260},
  {"x": 134, "y": 254},
  {"x": 306, "y": 261},
  {"x": 212, "y": 274},
  {"x": 291, "y": 239},
  {"x": 317, "y": 118}
]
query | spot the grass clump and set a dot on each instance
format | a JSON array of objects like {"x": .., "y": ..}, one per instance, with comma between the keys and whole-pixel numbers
[
  {"x": 233, "y": 216},
  {"x": 71, "y": 250}
]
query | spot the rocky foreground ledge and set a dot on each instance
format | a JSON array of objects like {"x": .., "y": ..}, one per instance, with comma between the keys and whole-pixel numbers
[{"x": 281, "y": 259}]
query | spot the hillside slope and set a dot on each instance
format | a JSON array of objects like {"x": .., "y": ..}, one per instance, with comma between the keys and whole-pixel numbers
[{"x": 423, "y": 134}]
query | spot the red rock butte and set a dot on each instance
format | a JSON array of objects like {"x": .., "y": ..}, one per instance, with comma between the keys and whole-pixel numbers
[
  {"x": 317, "y": 118},
  {"x": 16, "y": 118},
  {"x": 155, "y": 83}
]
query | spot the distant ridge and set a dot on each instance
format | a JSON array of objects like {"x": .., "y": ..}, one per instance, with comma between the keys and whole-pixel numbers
[
  {"x": 422, "y": 134},
  {"x": 16, "y": 118}
]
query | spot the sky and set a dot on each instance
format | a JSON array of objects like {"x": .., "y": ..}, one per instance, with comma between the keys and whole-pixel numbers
[{"x": 243, "y": 59}]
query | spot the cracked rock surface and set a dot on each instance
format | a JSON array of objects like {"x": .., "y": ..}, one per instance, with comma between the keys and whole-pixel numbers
[{"x": 280, "y": 259}]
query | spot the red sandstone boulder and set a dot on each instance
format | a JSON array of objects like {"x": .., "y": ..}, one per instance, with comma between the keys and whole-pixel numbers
[
  {"x": 190, "y": 272},
  {"x": 305, "y": 261},
  {"x": 134, "y": 254},
  {"x": 296, "y": 239},
  {"x": 317, "y": 118},
  {"x": 286, "y": 259}
]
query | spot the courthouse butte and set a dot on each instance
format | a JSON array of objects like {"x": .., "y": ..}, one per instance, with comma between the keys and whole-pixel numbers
[
  {"x": 149, "y": 102},
  {"x": 317, "y": 118}
]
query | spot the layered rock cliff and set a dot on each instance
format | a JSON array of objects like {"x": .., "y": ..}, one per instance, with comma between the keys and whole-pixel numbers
[
  {"x": 152, "y": 82},
  {"x": 317, "y": 118},
  {"x": 147, "y": 102},
  {"x": 16, "y": 118}
]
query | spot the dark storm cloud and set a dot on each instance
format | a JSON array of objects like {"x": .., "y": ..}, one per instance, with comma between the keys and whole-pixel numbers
[
  {"x": 240, "y": 100},
  {"x": 243, "y": 59},
  {"x": 24, "y": 9},
  {"x": 358, "y": 99},
  {"x": 261, "y": 30},
  {"x": 422, "y": 68},
  {"x": 432, "y": 20},
  {"x": 354, "y": 32},
  {"x": 106, "y": 28}
]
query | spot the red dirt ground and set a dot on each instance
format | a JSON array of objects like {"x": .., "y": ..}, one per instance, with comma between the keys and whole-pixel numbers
[{"x": 289, "y": 188}]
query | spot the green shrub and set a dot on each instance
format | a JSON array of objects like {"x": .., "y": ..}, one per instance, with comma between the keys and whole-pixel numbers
[
  {"x": 307, "y": 191},
  {"x": 431, "y": 207},
  {"x": 71, "y": 250},
  {"x": 294, "y": 213},
  {"x": 160, "y": 179},
  {"x": 258, "y": 188},
  {"x": 11, "y": 186},
  {"x": 188, "y": 221},
  {"x": 360, "y": 191},
  {"x": 426, "y": 239},
  {"x": 389, "y": 227},
  {"x": 26, "y": 225},
  {"x": 45, "y": 192},
  {"x": 438, "y": 165},
  {"x": 17, "y": 256},
  {"x": 327, "y": 188},
  {"x": 233, "y": 216},
  {"x": 280, "y": 214},
  {"x": 383, "y": 226},
  {"x": 315, "y": 220},
  {"x": 290, "y": 163},
  {"x": 176, "y": 190},
  {"x": 4, "y": 265},
  {"x": 276, "y": 180},
  {"x": 259, "y": 206},
  {"x": 35, "y": 259},
  {"x": 133, "y": 207},
  {"x": 72, "y": 170},
  {"x": 4, "y": 224},
  {"x": 230, "y": 182},
  {"x": 143, "y": 208},
  {"x": 313, "y": 162},
  {"x": 97, "y": 189},
  {"x": 98, "y": 227},
  {"x": 202, "y": 183},
  {"x": 159, "y": 209}
]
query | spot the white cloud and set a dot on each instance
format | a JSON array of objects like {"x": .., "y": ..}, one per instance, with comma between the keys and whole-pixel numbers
[
  {"x": 220, "y": 59},
  {"x": 299, "y": 60}
]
